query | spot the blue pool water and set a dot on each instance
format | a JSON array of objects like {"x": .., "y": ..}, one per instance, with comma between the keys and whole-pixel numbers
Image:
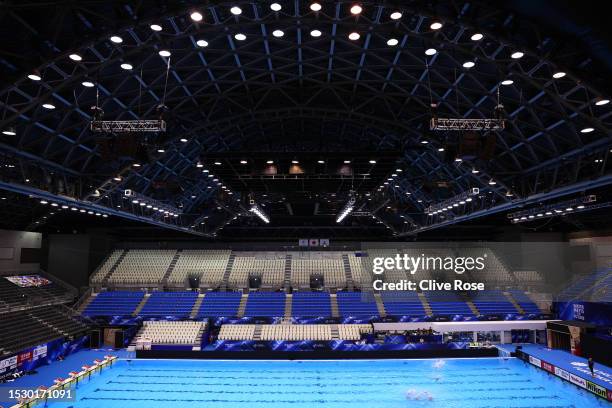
[{"x": 336, "y": 384}]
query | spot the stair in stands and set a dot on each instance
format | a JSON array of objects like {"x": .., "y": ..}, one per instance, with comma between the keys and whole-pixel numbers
[
  {"x": 287, "y": 282},
  {"x": 242, "y": 305},
  {"x": 379, "y": 305},
  {"x": 115, "y": 265},
  {"x": 141, "y": 304},
  {"x": 335, "y": 334},
  {"x": 228, "y": 271},
  {"x": 44, "y": 323},
  {"x": 288, "y": 303},
  {"x": 257, "y": 332},
  {"x": 471, "y": 305},
  {"x": 334, "y": 305},
  {"x": 164, "y": 279},
  {"x": 86, "y": 302},
  {"x": 514, "y": 302},
  {"x": 350, "y": 284},
  {"x": 425, "y": 304},
  {"x": 196, "y": 306}
]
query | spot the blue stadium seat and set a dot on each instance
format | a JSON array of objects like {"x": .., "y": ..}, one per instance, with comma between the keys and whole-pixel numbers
[
  {"x": 445, "y": 303},
  {"x": 177, "y": 304},
  {"x": 355, "y": 304},
  {"x": 220, "y": 304},
  {"x": 403, "y": 304},
  {"x": 311, "y": 304},
  {"x": 120, "y": 303},
  {"x": 270, "y": 304}
]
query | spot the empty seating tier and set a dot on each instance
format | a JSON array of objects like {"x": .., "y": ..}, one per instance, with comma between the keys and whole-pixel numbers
[
  {"x": 177, "y": 304},
  {"x": 164, "y": 332},
  {"x": 403, "y": 304},
  {"x": 492, "y": 302},
  {"x": 355, "y": 304},
  {"x": 265, "y": 304},
  {"x": 122, "y": 303},
  {"x": 293, "y": 332},
  {"x": 142, "y": 266},
  {"x": 525, "y": 302},
  {"x": 220, "y": 304},
  {"x": 311, "y": 304},
  {"x": 12, "y": 295},
  {"x": 208, "y": 265},
  {"x": 444, "y": 303}
]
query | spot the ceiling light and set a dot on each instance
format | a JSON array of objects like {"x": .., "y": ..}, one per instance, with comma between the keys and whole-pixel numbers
[
  {"x": 315, "y": 7},
  {"x": 517, "y": 55},
  {"x": 396, "y": 15},
  {"x": 165, "y": 53},
  {"x": 315, "y": 33},
  {"x": 127, "y": 66},
  {"x": 507, "y": 82},
  {"x": 270, "y": 162},
  {"x": 217, "y": 163},
  {"x": 75, "y": 57},
  {"x": 458, "y": 160},
  {"x": 116, "y": 39},
  {"x": 196, "y": 16},
  {"x": 436, "y": 25},
  {"x": 392, "y": 42},
  {"x": 558, "y": 75},
  {"x": 243, "y": 162},
  {"x": 87, "y": 84},
  {"x": 601, "y": 102},
  {"x": 48, "y": 106},
  {"x": 9, "y": 131},
  {"x": 183, "y": 140},
  {"x": 240, "y": 37},
  {"x": 430, "y": 51},
  {"x": 468, "y": 64},
  {"x": 278, "y": 33},
  {"x": 295, "y": 162},
  {"x": 424, "y": 142},
  {"x": 372, "y": 161},
  {"x": 580, "y": 207},
  {"x": 236, "y": 10},
  {"x": 356, "y": 9},
  {"x": 321, "y": 161},
  {"x": 492, "y": 182},
  {"x": 156, "y": 27},
  {"x": 275, "y": 7},
  {"x": 136, "y": 165},
  {"x": 117, "y": 178},
  {"x": 440, "y": 149},
  {"x": 354, "y": 36},
  {"x": 161, "y": 150},
  {"x": 202, "y": 43},
  {"x": 347, "y": 162},
  {"x": 476, "y": 37},
  {"x": 34, "y": 77},
  {"x": 585, "y": 130}
]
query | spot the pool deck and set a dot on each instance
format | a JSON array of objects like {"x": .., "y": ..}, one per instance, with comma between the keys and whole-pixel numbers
[{"x": 573, "y": 364}]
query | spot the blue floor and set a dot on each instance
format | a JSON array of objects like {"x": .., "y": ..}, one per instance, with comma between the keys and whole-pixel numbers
[
  {"x": 47, "y": 373},
  {"x": 570, "y": 363}
]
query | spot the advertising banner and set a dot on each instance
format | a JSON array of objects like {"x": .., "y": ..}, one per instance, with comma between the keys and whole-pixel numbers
[
  {"x": 535, "y": 361},
  {"x": 559, "y": 372},
  {"x": 548, "y": 367},
  {"x": 579, "y": 381}
]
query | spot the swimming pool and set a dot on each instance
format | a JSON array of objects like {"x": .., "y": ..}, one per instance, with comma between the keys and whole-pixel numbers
[{"x": 489, "y": 382}]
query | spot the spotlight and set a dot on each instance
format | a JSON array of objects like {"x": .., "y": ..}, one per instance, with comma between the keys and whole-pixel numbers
[
  {"x": 354, "y": 36},
  {"x": 517, "y": 55},
  {"x": 436, "y": 25},
  {"x": 601, "y": 102},
  {"x": 240, "y": 37},
  {"x": 492, "y": 182},
  {"x": 270, "y": 162},
  {"x": 558, "y": 75},
  {"x": 116, "y": 39},
  {"x": 126, "y": 66},
  {"x": 468, "y": 64},
  {"x": 585, "y": 130},
  {"x": 278, "y": 33},
  {"x": 315, "y": 7},
  {"x": 258, "y": 212},
  {"x": 392, "y": 42},
  {"x": 196, "y": 16},
  {"x": 430, "y": 51},
  {"x": 315, "y": 33},
  {"x": 356, "y": 9},
  {"x": 75, "y": 57},
  {"x": 348, "y": 208},
  {"x": 396, "y": 15},
  {"x": 155, "y": 27},
  {"x": 202, "y": 43},
  {"x": 243, "y": 162},
  {"x": 321, "y": 161},
  {"x": 476, "y": 37},
  {"x": 34, "y": 77},
  {"x": 372, "y": 162},
  {"x": 236, "y": 11},
  {"x": 165, "y": 53},
  {"x": 275, "y": 7},
  {"x": 10, "y": 131},
  {"x": 507, "y": 82},
  {"x": 295, "y": 162},
  {"x": 50, "y": 106},
  {"x": 183, "y": 140},
  {"x": 87, "y": 84}
]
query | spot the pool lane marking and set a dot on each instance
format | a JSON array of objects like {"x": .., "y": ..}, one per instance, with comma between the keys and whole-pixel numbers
[{"x": 315, "y": 361}]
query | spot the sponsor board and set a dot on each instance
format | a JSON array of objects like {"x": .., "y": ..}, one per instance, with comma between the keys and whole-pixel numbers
[
  {"x": 596, "y": 389},
  {"x": 609, "y": 395},
  {"x": 8, "y": 362},
  {"x": 535, "y": 361},
  {"x": 574, "y": 379},
  {"x": 548, "y": 367},
  {"x": 27, "y": 356},
  {"x": 40, "y": 351},
  {"x": 559, "y": 372}
]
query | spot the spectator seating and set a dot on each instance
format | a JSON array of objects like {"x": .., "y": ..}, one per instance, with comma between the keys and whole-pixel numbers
[
  {"x": 494, "y": 271},
  {"x": 353, "y": 331},
  {"x": 142, "y": 266},
  {"x": 208, "y": 264},
  {"x": 121, "y": 303},
  {"x": 12, "y": 295},
  {"x": 178, "y": 332},
  {"x": 293, "y": 332},
  {"x": 220, "y": 304},
  {"x": 328, "y": 264},
  {"x": 265, "y": 304},
  {"x": 528, "y": 276},
  {"x": 584, "y": 287},
  {"x": 403, "y": 304},
  {"x": 177, "y": 304},
  {"x": 237, "y": 332},
  {"x": 446, "y": 303},
  {"x": 269, "y": 265},
  {"x": 35, "y": 326},
  {"x": 106, "y": 266},
  {"x": 492, "y": 302},
  {"x": 311, "y": 304},
  {"x": 352, "y": 304},
  {"x": 525, "y": 302}
]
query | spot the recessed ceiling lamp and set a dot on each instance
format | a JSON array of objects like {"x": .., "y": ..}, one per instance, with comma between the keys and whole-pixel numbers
[
  {"x": 87, "y": 84},
  {"x": 476, "y": 37},
  {"x": 127, "y": 66},
  {"x": 430, "y": 51},
  {"x": 315, "y": 33},
  {"x": 50, "y": 106},
  {"x": 243, "y": 162},
  {"x": 295, "y": 162},
  {"x": 165, "y": 53},
  {"x": 202, "y": 43},
  {"x": 34, "y": 77},
  {"x": 492, "y": 182},
  {"x": 436, "y": 25},
  {"x": 475, "y": 171},
  {"x": 585, "y": 130},
  {"x": 424, "y": 142},
  {"x": 372, "y": 161},
  {"x": 468, "y": 64},
  {"x": 392, "y": 42},
  {"x": 354, "y": 36},
  {"x": 75, "y": 57},
  {"x": 183, "y": 140},
  {"x": 217, "y": 163},
  {"x": 507, "y": 82},
  {"x": 116, "y": 39},
  {"x": 9, "y": 131},
  {"x": 356, "y": 9},
  {"x": 558, "y": 75},
  {"x": 196, "y": 16},
  {"x": 156, "y": 27},
  {"x": 347, "y": 162},
  {"x": 315, "y": 7},
  {"x": 161, "y": 150},
  {"x": 270, "y": 162},
  {"x": 240, "y": 37},
  {"x": 440, "y": 149},
  {"x": 517, "y": 55},
  {"x": 396, "y": 15},
  {"x": 275, "y": 7},
  {"x": 321, "y": 161},
  {"x": 278, "y": 33},
  {"x": 601, "y": 102},
  {"x": 236, "y": 11}
]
